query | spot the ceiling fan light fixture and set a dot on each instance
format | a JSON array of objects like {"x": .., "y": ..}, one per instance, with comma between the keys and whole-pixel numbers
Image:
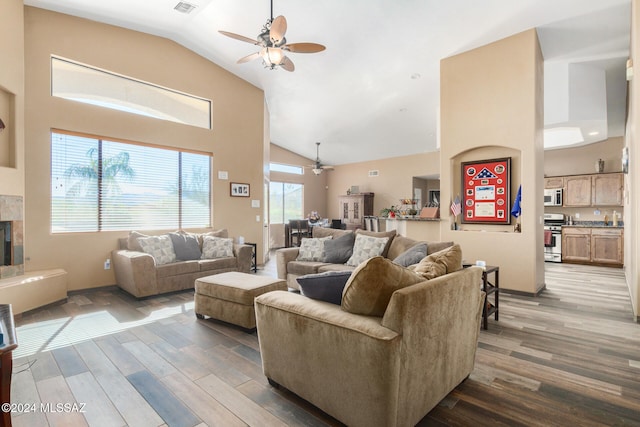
[
  {"x": 317, "y": 171},
  {"x": 272, "y": 56}
]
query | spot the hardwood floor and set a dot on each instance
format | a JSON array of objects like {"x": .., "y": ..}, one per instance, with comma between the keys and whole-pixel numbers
[{"x": 568, "y": 357}]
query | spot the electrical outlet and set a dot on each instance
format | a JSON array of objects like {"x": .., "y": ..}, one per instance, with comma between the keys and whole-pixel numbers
[
  {"x": 577, "y": 215},
  {"x": 107, "y": 264},
  {"x": 257, "y": 218}
]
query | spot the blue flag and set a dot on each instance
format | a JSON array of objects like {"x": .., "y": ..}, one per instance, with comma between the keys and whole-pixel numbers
[{"x": 517, "y": 210}]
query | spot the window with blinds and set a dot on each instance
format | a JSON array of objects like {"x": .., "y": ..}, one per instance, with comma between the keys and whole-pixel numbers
[
  {"x": 285, "y": 202},
  {"x": 99, "y": 184}
]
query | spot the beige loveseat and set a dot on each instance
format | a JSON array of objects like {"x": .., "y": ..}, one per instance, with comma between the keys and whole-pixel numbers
[
  {"x": 139, "y": 274},
  {"x": 367, "y": 370},
  {"x": 289, "y": 268}
]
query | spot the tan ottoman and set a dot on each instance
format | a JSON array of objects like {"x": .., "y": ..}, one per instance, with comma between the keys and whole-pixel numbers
[{"x": 229, "y": 296}]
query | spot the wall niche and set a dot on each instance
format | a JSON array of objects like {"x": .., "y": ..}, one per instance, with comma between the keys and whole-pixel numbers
[{"x": 7, "y": 135}]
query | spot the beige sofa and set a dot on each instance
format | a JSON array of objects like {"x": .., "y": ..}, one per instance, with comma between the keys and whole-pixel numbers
[
  {"x": 138, "y": 274},
  {"x": 368, "y": 370},
  {"x": 290, "y": 269}
]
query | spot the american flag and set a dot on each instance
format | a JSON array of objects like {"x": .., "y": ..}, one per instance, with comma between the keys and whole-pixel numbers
[
  {"x": 456, "y": 208},
  {"x": 485, "y": 174}
]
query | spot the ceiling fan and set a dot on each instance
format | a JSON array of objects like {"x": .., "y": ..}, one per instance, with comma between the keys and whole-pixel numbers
[
  {"x": 318, "y": 167},
  {"x": 274, "y": 45}
]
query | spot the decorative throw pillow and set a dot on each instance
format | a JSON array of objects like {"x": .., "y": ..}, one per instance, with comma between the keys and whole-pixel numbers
[
  {"x": 159, "y": 247},
  {"x": 325, "y": 286},
  {"x": 439, "y": 263},
  {"x": 390, "y": 234},
  {"x": 216, "y": 233},
  {"x": 399, "y": 244},
  {"x": 216, "y": 247},
  {"x": 132, "y": 241},
  {"x": 412, "y": 255},
  {"x": 339, "y": 249},
  {"x": 369, "y": 289},
  {"x": 185, "y": 246},
  {"x": 366, "y": 247},
  {"x": 312, "y": 249}
]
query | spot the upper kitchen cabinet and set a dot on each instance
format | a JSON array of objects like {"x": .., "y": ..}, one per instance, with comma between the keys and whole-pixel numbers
[
  {"x": 577, "y": 191},
  {"x": 607, "y": 189},
  {"x": 593, "y": 190},
  {"x": 554, "y": 182}
]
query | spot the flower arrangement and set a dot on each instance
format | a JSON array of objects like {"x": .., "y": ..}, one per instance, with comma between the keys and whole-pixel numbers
[
  {"x": 389, "y": 212},
  {"x": 313, "y": 216}
]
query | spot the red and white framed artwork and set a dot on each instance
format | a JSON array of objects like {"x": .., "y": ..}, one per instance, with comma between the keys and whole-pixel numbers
[{"x": 486, "y": 191}]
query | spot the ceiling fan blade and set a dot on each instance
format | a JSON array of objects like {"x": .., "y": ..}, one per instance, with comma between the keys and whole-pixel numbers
[
  {"x": 329, "y": 168},
  {"x": 287, "y": 64},
  {"x": 238, "y": 37},
  {"x": 248, "y": 58},
  {"x": 304, "y": 47},
  {"x": 278, "y": 28}
]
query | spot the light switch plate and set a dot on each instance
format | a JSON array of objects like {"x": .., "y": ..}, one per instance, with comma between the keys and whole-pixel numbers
[
  {"x": 223, "y": 175},
  {"x": 255, "y": 203}
]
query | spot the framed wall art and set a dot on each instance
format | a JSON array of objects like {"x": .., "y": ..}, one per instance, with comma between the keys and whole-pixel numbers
[
  {"x": 486, "y": 191},
  {"x": 239, "y": 189}
]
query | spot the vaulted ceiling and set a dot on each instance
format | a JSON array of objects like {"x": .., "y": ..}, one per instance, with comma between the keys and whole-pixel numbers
[{"x": 374, "y": 92}]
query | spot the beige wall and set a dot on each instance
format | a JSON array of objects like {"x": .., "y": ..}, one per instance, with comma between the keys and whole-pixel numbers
[
  {"x": 491, "y": 102},
  {"x": 632, "y": 202},
  {"x": 12, "y": 97},
  {"x": 582, "y": 159},
  {"x": 394, "y": 182},
  {"x": 236, "y": 141}
]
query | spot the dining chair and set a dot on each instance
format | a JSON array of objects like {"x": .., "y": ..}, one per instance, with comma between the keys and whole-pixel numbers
[{"x": 298, "y": 228}]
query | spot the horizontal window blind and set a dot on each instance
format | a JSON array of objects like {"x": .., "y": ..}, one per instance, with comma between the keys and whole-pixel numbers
[
  {"x": 74, "y": 183},
  {"x": 122, "y": 186}
]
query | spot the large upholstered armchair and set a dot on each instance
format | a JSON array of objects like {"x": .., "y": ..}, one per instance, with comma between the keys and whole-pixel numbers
[{"x": 370, "y": 370}]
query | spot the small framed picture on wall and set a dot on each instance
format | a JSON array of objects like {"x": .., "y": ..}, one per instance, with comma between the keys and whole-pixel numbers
[{"x": 239, "y": 189}]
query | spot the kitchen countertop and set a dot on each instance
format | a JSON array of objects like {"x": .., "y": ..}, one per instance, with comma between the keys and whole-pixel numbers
[
  {"x": 594, "y": 225},
  {"x": 417, "y": 218}
]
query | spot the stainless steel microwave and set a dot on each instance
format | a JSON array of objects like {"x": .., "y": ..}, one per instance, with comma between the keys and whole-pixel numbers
[{"x": 553, "y": 197}]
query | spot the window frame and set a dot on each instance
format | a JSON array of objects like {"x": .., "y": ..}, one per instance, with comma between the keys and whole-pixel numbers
[
  {"x": 99, "y": 207},
  {"x": 283, "y": 220}
]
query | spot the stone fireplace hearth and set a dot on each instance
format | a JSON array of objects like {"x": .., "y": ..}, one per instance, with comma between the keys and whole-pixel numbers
[{"x": 11, "y": 235}]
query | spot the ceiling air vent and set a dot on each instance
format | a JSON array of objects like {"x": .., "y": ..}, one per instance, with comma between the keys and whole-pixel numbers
[
  {"x": 184, "y": 7},
  {"x": 374, "y": 173}
]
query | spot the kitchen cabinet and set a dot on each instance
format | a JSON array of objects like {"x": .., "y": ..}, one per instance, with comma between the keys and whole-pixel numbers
[
  {"x": 607, "y": 189},
  {"x": 576, "y": 244},
  {"x": 606, "y": 246},
  {"x": 598, "y": 245},
  {"x": 577, "y": 191},
  {"x": 554, "y": 182},
  {"x": 353, "y": 208}
]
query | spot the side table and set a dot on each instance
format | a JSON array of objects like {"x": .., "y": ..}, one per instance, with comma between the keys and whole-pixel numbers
[
  {"x": 491, "y": 289},
  {"x": 254, "y": 257}
]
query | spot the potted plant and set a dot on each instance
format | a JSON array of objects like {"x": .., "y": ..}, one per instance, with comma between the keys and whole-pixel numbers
[{"x": 389, "y": 212}]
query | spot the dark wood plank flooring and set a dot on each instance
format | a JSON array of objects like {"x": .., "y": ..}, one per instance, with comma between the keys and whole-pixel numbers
[{"x": 568, "y": 357}]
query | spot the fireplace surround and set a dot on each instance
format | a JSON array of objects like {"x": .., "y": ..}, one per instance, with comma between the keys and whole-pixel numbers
[{"x": 11, "y": 235}]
